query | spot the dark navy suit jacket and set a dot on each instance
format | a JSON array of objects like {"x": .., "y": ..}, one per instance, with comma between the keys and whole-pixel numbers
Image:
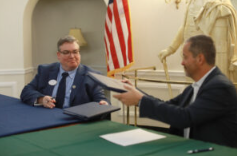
[
  {"x": 85, "y": 91},
  {"x": 212, "y": 116}
]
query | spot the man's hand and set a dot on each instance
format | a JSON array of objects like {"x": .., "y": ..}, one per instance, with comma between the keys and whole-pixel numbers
[
  {"x": 127, "y": 82},
  {"x": 131, "y": 97},
  {"x": 102, "y": 102},
  {"x": 47, "y": 101}
]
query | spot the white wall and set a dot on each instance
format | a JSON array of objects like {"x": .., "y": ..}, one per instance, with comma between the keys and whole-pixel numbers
[
  {"x": 15, "y": 41},
  {"x": 11, "y": 30},
  {"x": 154, "y": 25}
]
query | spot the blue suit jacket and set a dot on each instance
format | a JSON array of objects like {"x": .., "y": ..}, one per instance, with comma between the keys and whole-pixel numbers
[
  {"x": 86, "y": 90},
  {"x": 212, "y": 116}
]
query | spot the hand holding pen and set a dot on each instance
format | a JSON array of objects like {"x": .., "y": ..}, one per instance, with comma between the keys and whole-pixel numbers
[{"x": 47, "y": 101}]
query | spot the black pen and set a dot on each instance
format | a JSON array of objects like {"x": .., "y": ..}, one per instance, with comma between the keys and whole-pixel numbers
[{"x": 200, "y": 150}]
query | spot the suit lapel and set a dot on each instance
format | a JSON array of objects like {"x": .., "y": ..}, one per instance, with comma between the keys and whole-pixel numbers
[
  {"x": 215, "y": 72},
  {"x": 53, "y": 74},
  {"x": 187, "y": 96},
  {"x": 189, "y": 91}
]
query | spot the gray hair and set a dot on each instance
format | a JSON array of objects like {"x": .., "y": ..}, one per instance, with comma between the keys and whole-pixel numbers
[
  {"x": 205, "y": 45},
  {"x": 66, "y": 39}
]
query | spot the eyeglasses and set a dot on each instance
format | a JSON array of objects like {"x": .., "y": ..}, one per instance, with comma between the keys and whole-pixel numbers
[{"x": 68, "y": 53}]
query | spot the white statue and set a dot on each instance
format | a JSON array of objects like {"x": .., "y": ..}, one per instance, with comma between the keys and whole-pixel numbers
[{"x": 216, "y": 18}]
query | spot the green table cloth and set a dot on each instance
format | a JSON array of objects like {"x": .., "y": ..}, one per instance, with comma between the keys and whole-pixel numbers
[{"x": 84, "y": 140}]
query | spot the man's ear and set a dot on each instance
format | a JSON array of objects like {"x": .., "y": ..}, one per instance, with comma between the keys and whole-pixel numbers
[
  {"x": 58, "y": 54},
  {"x": 201, "y": 59}
]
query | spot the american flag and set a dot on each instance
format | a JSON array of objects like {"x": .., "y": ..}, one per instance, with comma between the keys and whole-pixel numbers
[{"x": 118, "y": 37}]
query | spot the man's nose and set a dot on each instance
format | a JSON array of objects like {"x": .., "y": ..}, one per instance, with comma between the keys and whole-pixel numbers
[
  {"x": 71, "y": 54},
  {"x": 182, "y": 63}
]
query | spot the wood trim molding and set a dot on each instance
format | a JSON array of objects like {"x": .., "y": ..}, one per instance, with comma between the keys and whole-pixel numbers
[{"x": 16, "y": 71}]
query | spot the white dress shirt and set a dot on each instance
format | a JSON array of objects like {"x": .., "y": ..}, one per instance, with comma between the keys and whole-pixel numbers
[{"x": 196, "y": 86}]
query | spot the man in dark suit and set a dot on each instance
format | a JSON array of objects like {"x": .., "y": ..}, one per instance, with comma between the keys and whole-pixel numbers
[
  {"x": 206, "y": 110},
  {"x": 78, "y": 87}
]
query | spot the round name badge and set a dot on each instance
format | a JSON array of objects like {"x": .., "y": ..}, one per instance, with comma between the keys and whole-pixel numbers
[{"x": 52, "y": 82}]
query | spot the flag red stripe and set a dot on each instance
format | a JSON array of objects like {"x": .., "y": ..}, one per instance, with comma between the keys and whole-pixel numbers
[
  {"x": 112, "y": 48},
  {"x": 107, "y": 54},
  {"x": 120, "y": 32},
  {"x": 127, "y": 15},
  {"x": 106, "y": 45},
  {"x": 109, "y": 12}
]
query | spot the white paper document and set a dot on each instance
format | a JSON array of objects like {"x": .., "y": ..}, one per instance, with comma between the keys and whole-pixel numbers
[{"x": 131, "y": 137}]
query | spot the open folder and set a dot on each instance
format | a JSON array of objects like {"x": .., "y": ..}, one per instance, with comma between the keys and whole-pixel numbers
[
  {"x": 90, "y": 110},
  {"x": 108, "y": 83}
]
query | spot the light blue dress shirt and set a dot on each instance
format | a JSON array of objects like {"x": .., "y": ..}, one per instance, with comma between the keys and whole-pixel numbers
[{"x": 69, "y": 83}]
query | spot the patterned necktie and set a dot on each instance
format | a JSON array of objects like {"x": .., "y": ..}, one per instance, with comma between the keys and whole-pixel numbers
[{"x": 61, "y": 91}]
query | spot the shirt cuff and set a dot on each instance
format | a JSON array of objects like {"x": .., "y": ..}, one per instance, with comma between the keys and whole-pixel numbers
[{"x": 37, "y": 104}]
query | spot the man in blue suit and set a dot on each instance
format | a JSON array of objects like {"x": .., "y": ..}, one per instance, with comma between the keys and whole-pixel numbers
[
  {"x": 78, "y": 87},
  {"x": 206, "y": 110}
]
